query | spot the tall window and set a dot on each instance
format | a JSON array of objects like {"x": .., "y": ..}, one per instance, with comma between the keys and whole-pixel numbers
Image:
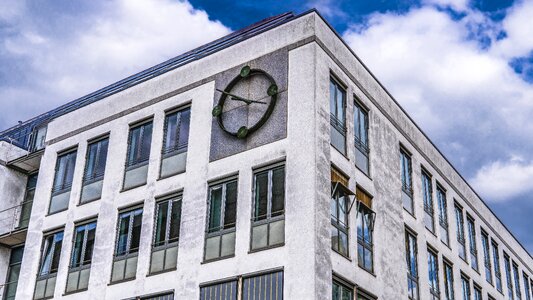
[
  {"x": 433, "y": 274},
  {"x": 337, "y": 105},
  {"x": 461, "y": 241},
  {"x": 448, "y": 281},
  {"x": 268, "y": 214},
  {"x": 465, "y": 287},
  {"x": 412, "y": 265},
  {"x": 497, "y": 270},
  {"x": 226, "y": 290},
  {"x": 127, "y": 246},
  {"x": 166, "y": 234},
  {"x": 516, "y": 275},
  {"x": 527, "y": 289},
  {"x": 443, "y": 215},
  {"x": 507, "y": 263},
  {"x": 253, "y": 287},
  {"x": 220, "y": 235},
  {"x": 339, "y": 206},
  {"x": 407, "y": 181},
  {"x": 46, "y": 276},
  {"x": 139, "y": 141},
  {"x": 486, "y": 256},
  {"x": 25, "y": 211},
  {"x": 427, "y": 192},
  {"x": 472, "y": 243},
  {"x": 93, "y": 177},
  {"x": 175, "y": 142},
  {"x": 38, "y": 138},
  {"x": 362, "y": 149},
  {"x": 81, "y": 258},
  {"x": 477, "y": 292},
  {"x": 341, "y": 291},
  {"x": 62, "y": 182},
  {"x": 13, "y": 272},
  {"x": 365, "y": 230}
]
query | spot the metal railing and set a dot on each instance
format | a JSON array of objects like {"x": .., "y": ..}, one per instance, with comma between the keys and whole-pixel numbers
[{"x": 15, "y": 218}]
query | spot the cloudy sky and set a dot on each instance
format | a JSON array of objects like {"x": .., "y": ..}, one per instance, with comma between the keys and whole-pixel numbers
[{"x": 463, "y": 69}]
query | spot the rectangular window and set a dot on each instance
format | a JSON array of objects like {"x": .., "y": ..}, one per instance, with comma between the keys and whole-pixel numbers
[
  {"x": 81, "y": 258},
  {"x": 433, "y": 274},
  {"x": 465, "y": 287},
  {"x": 13, "y": 272},
  {"x": 25, "y": 211},
  {"x": 64, "y": 174},
  {"x": 139, "y": 142},
  {"x": 219, "y": 291},
  {"x": 341, "y": 291},
  {"x": 427, "y": 192},
  {"x": 407, "y": 181},
  {"x": 497, "y": 270},
  {"x": 477, "y": 292},
  {"x": 365, "y": 231},
  {"x": 443, "y": 215},
  {"x": 166, "y": 234},
  {"x": 93, "y": 176},
  {"x": 472, "y": 242},
  {"x": 507, "y": 263},
  {"x": 461, "y": 241},
  {"x": 268, "y": 213},
  {"x": 362, "y": 149},
  {"x": 263, "y": 287},
  {"x": 38, "y": 138},
  {"x": 175, "y": 142},
  {"x": 486, "y": 256},
  {"x": 220, "y": 235},
  {"x": 527, "y": 289},
  {"x": 47, "y": 273},
  {"x": 412, "y": 265},
  {"x": 339, "y": 206},
  {"x": 127, "y": 245},
  {"x": 516, "y": 274},
  {"x": 362, "y": 295},
  {"x": 337, "y": 105},
  {"x": 448, "y": 281}
]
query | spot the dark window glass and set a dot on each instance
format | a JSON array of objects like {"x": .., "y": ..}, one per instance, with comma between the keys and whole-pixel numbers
[
  {"x": 129, "y": 232},
  {"x": 337, "y": 101},
  {"x": 96, "y": 160},
  {"x": 407, "y": 181},
  {"x": 516, "y": 274},
  {"x": 433, "y": 274},
  {"x": 443, "y": 214},
  {"x": 412, "y": 265},
  {"x": 341, "y": 291},
  {"x": 497, "y": 270},
  {"x": 139, "y": 144},
  {"x": 486, "y": 256},
  {"x": 177, "y": 131},
  {"x": 83, "y": 245},
  {"x": 477, "y": 293},
  {"x": 527, "y": 289},
  {"x": 64, "y": 172},
  {"x": 219, "y": 291},
  {"x": 51, "y": 253},
  {"x": 339, "y": 221},
  {"x": 361, "y": 138},
  {"x": 167, "y": 228},
  {"x": 472, "y": 243},
  {"x": 261, "y": 196},
  {"x": 263, "y": 287},
  {"x": 507, "y": 263},
  {"x": 13, "y": 272},
  {"x": 365, "y": 248},
  {"x": 25, "y": 212},
  {"x": 460, "y": 232},
  {"x": 465, "y": 287},
  {"x": 427, "y": 192},
  {"x": 448, "y": 281}
]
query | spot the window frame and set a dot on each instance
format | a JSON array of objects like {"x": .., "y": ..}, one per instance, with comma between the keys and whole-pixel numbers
[
  {"x": 466, "y": 279},
  {"x": 335, "y": 123},
  {"x": 516, "y": 276},
  {"x": 362, "y": 146},
  {"x": 336, "y": 221},
  {"x": 472, "y": 242},
  {"x": 83, "y": 252},
  {"x": 433, "y": 266},
  {"x": 508, "y": 275},
  {"x": 367, "y": 246},
  {"x": 50, "y": 273},
  {"x": 130, "y": 211},
  {"x": 527, "y": 288},
  {"x": 221, "y": 231},
  {"x": 269, "y": 218},
  {"x": 460, "y": 229},
  {"x": 65, "y": 187},
  {"x": 94, "y": 177},
  {"x": 412, "y": 277},
  {"x": 497, "y": 268},
  {"x": 429, "y": 205},
  {"x": 9, "y": 270},
  {"x": 138, "y": 162},
  {"x": 166, "y": 151},
  {"x": 485, "y": 243},
  {"x": 449, "y": 292},
  {"x": 408, "y": 190},
  {"x": 442, "y": 203},
  {"x": 171, "y": 199}
]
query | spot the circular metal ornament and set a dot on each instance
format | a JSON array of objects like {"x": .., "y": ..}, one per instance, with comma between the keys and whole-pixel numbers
[{"x": 245, "y": 74}]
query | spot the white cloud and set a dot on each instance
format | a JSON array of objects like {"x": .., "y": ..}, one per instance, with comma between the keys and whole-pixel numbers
[
  {"x": 460, "y": 91},
  {"x": 519, "y": 29},
  {"x": 458, "y": 5},
  {"x": 504, "y": 180},
  {"x": 124, "y": 37}
]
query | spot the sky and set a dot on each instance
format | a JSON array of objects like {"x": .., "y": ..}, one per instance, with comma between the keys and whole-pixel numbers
[{"x": 462, "y": 69}]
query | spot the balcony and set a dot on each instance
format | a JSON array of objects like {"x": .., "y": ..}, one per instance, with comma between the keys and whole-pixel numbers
[
  {"x": 27, "y": 163},
  {"x": 14, "y": 224}
]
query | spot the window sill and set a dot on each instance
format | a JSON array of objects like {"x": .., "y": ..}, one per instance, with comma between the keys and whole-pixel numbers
[
  {"x": 75, "y": 292},
  {"x": 432, "y": 232},
  {"x": 170, "y": 175},
  {"x": 371, "y": 272},
  {"x": 345, "y": 256},
  {"x": 266, "y": 248},
  {"x": 412, "y": 214},
  {"x": 367, "y": 175},
  {"x": 161, "y": 272},
  {"x": 345, "y": 155},
  {"x": 122, "y": 281},
  {"x": 217, "y": 259},
  {"x": 56, "y": 212},
  {"x": 87, "y": 202}
]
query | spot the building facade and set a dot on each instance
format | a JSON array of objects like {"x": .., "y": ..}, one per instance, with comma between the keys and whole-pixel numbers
[{"x": 269, "y": 164}]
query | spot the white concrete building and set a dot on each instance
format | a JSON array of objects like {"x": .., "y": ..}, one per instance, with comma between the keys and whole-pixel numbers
[{"x": 269, "y": 164}]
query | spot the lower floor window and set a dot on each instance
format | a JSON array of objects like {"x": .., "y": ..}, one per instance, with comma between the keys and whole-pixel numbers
[
  {"x": 266, "y": 286},
  {"x": 341, "y": 291}
]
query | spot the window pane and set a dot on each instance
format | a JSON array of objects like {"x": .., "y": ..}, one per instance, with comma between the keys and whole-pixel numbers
[
  {"x": 183, "y": 137},
  {"x": 175, "y": 221},
  {"x": 332, "y": 98},
  {"x": 340, "y": 105},
  {"x": 261, "y": 196},
  {"x": 136, "y": 231},
  {"x": 89, "y": 245},
  {"x": 170, "y": 132},
  {"x": 78, "y": 246},
  {"x": 102, "y": 158},
  {"x": 263, "y": 287},
  {"x": 161, "y": 223},
  {"x": 92, "y": 152},
  {"x": 231, "y": 205},
  {"x": 123, "y": 232},
  {"x": 133, "y": 147},
  {"x": 278, "y": 191},
  {"x": 215, "y": 208}
]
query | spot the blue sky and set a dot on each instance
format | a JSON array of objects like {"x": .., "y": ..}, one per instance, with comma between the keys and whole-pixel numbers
[{"x": 463, "y": 69}]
